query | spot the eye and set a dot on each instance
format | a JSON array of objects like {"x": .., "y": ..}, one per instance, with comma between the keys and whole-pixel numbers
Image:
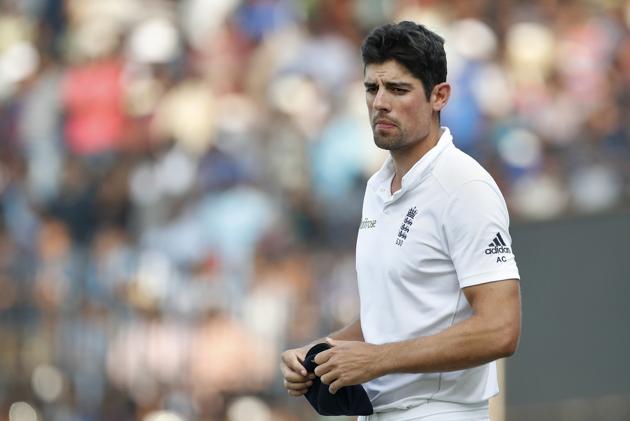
[
  {"x": 371, "y": 89},
  {"x": 399, "y": 91}
]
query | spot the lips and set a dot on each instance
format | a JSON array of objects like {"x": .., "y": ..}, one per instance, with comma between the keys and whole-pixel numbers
[{"x": 382, "y": 123}]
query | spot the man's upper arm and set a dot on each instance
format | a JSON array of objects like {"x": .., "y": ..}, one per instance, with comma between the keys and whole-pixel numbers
[{"x": 498, "y": 305}]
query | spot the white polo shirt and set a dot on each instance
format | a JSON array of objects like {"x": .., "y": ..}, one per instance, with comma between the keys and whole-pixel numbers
[{"x": 444, "y": 230}]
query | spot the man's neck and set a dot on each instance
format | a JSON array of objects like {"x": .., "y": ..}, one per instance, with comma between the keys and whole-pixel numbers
[{"x": 404, "y": 159}]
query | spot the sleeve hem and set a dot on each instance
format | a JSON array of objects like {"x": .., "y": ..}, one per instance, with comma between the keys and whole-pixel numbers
[{"x": 487, "y": 277}]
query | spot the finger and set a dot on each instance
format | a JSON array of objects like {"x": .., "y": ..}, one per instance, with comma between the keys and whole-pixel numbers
[
  {"x": 329, "y": 378},
  {"x": 294, "y": 377},
  {"x": 297, "y": 386},
  {"x": 322, "y": 357},
  {"x": 297, "y": 392},
  {"x": 335, "y": 386},
  {"x": 291, "y": 361},
  {"x": 320, "y": 370}
]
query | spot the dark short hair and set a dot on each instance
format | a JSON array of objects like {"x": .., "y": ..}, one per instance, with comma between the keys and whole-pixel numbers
[{"x": 415, "y": 47}]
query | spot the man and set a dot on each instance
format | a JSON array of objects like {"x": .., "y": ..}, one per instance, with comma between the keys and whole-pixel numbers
[{"x": 438, "y": 284}]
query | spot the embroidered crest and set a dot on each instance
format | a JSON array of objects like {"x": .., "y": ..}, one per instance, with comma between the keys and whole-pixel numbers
[{"x": 405, "y": 226}]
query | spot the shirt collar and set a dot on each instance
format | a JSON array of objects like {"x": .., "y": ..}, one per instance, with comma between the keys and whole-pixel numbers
[{"x": 382, "y": 179}]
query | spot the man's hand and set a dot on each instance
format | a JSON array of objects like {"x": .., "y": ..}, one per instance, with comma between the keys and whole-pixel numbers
[
  {"x": 347, "y": 363},
  {"x": 296, "y": 379}
]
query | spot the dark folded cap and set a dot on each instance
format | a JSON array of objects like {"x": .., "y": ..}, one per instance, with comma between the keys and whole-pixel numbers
[{"x": 349, "y": 400}]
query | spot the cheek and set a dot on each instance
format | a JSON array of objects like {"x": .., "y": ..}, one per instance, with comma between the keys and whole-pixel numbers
[
  {"x": 418, "y": 121},
  {"x": 368, "y": 104},
  {"x": 421, "y": 113}
]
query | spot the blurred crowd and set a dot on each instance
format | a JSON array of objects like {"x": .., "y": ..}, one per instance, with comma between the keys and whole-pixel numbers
[{"x": 181, "y": 181}]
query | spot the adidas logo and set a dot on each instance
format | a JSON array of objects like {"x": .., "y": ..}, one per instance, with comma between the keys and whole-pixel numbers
[{"x": 497, "y": 246}]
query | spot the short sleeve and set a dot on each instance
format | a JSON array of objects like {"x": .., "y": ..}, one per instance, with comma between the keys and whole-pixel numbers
[{"x": 476, "y": 226}]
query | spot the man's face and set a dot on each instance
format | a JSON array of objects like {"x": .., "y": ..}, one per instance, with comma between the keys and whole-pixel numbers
[{"x": 399, "y": 111}]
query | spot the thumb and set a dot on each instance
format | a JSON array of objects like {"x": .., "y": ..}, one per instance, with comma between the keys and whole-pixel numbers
[{"x": 332, "y": 342}]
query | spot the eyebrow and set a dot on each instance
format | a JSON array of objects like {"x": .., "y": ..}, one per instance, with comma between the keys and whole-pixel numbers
[
  {"x": 390, "y": 85},
  {"x": 404, "y": 85}
]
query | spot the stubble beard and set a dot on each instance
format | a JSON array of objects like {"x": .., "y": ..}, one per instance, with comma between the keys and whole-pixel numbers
[{"x": 390, "y": 142}]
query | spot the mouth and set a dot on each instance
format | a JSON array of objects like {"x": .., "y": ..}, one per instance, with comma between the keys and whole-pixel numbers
[{"x": 384, "y": 124}]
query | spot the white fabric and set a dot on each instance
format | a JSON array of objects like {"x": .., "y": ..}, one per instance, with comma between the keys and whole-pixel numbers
[
  {"x": 416, "y": 250},
  {"x": 434, "y": 411}
]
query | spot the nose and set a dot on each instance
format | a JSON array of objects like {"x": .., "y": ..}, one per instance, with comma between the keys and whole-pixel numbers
[{"x": 381, "y": 101}]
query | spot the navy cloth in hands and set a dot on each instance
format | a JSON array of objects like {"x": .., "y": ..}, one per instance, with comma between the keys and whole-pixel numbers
[{"x": 349, "y": 400}]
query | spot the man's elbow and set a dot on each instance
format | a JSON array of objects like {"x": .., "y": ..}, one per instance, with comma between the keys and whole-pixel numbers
[
  {"x": 508, "y": 342},
  {"x": 509, "y": 348}
]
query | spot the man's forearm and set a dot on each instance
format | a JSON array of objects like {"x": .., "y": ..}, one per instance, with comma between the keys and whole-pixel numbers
[
  {"x": 350, "y": 332},
  {"x": 492, "y": 332},
  {"x": 468, "y": 344}
]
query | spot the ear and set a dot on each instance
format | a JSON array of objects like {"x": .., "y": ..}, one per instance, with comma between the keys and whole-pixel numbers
[{"x": 440, "y": 96}]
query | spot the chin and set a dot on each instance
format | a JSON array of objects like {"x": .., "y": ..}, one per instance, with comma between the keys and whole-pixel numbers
[
  {"x": 382, "y": 145},
  {"x": 383, "y": 142},
  {"x": 388, "y": 145}
]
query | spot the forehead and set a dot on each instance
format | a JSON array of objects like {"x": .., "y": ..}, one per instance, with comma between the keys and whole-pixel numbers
[{"x": 389, "y": 70}]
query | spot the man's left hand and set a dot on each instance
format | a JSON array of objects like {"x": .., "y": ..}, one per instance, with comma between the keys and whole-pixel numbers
[{"x": 347, "y": 363}]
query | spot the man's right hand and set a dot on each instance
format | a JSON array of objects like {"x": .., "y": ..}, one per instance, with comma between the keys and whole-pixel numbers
[{"x": 296, "y": 379}]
